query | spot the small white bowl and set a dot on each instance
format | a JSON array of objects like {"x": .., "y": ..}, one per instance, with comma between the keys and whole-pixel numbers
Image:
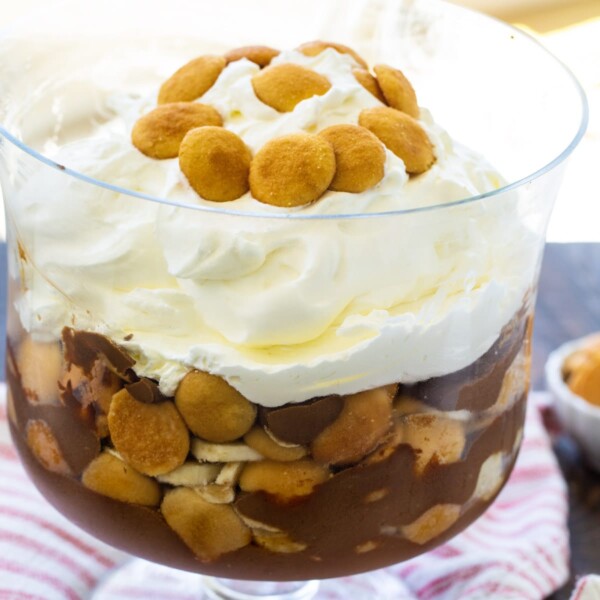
[{"x": 578, "y": 417}]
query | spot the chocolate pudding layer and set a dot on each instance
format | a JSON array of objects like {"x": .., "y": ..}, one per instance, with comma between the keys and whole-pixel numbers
[{"x": 208, "y": 481}]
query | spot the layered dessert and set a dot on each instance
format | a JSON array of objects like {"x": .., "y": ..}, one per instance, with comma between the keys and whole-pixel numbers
[{"x": 283, "y": 334}]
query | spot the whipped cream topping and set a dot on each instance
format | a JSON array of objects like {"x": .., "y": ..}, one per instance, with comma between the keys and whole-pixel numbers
[{"x": 284, "y": 309}]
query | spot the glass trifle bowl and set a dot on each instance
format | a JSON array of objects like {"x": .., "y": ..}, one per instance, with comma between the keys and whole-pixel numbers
[{"x": 297, "y": 346}]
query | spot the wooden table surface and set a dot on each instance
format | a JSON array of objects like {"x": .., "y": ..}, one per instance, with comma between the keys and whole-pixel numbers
[{"x": 568, "y": 306}]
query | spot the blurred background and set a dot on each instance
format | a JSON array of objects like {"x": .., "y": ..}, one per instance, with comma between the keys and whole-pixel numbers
[{"x": 568, "y": 28}]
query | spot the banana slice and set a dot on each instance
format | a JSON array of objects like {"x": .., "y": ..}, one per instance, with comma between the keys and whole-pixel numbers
[
  {"x": 222, "y": 490},
  {"x": 191, "y": 474},
  {"x": 223, "y": 453}
]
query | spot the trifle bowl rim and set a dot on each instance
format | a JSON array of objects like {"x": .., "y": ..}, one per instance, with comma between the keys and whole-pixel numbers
[{"x": 295, "y": 215}]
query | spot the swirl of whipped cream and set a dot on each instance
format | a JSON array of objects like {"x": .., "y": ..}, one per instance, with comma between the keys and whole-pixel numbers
[{"x": 284, "y": 308}]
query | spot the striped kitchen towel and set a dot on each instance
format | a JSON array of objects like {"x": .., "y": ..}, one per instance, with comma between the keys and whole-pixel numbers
[
  {"x": 518, "y": 549},
  {"x": 588, "y": 588}
]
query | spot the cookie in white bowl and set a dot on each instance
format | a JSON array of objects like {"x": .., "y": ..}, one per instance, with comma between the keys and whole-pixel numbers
[{"x": 577, "y": 413}]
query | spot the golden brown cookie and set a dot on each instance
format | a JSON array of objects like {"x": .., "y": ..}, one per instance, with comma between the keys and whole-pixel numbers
[
  {"x": 260, "y": 55},
  {"x": 359, "y": 158},
  {"x": 209, "y": 530},
  {"x": 285, "y": 481},
  {"x": 432, "y": 523},
  {"x": 491, "y": 477},
  {"x": 389, "y": 445},
  {"x": 402, "y": 134},
  {"x": 397, "y": 90},
  {"x": 581, "y": 371},
  {"x": 516, "y": 380},
  {"x": 44, "y": 446},
  {"x": 258, "y": 439},
  {"x": 582, "y": 358},
  {"x": 434, "y": 439},
  {"x": 391, "y": 389},
  {"x": 318, "y": 46},
  {"x": 585, "y": 382},
  {"x": 102, "y": 426},
  {"x": 192, "y": 80},
  {"x": 39, "y": 366},
  {"x": 367, "y": 546},
  {"x": 363, "y": 424},
  {"x": 277, "y": 541},
  {"x": 292, "y": 170},
  {"x": 110, "y": 476},
  {"x": 369, "y": 83},
  {"x": 159, "y": 133},
  {"x": 216, "y": 162},
  {"x": 11, "y": 411},
  {"x": 212, "y": 409},
  {"x": 282, "y": 87},
  {"x": 152, "y": 438}
]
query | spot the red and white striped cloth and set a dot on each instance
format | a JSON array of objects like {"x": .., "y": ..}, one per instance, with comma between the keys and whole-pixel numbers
[
  {"x": 518, "y": 549},
  {"x": 588, "y": 588}
]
